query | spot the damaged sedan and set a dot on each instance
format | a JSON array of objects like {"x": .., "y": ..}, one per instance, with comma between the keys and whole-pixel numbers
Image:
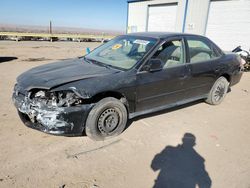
[{"x": 128, "y": 76}]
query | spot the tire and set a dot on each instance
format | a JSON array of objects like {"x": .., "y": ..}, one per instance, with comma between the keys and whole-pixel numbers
[
  {"x": 108, "y": 118},
  {"x": 218, "y": 91}
]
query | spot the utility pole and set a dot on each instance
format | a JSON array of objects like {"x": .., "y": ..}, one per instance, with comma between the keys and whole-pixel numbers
[
  {"x": 50, "y": 27},
  {"x": 50, "y": 31}
]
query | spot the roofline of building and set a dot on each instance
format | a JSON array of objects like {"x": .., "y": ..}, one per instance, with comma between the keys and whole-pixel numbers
[{"x": 135, "y": 1}]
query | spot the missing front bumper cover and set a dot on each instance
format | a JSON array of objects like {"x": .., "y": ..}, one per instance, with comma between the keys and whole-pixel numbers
[{"x": 56, "y": 120}]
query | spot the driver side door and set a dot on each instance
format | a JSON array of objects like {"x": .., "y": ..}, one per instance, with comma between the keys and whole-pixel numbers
[{"x": 165, "y": 86}]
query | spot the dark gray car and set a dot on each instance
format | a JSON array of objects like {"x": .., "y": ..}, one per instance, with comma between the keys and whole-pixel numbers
[{"x": 128, "y": 76}]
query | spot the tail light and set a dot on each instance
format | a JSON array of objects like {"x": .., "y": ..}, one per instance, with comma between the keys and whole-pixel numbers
[{"x": 241, "y": 61}]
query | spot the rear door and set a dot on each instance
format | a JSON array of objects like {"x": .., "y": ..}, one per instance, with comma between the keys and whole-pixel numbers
[
  {"x": 165, "y": 87},
  {"x": 202, "y": 57}
]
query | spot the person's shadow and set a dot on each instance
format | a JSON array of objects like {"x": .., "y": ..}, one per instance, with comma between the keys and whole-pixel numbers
[{"x": 181, "y": 166}]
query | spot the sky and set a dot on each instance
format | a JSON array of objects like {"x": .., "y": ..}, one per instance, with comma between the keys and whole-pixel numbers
[{"x": 96, "y": 14}]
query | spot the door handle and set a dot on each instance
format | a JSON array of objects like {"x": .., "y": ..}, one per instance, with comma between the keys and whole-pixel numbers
[
  {"x": 183, "y": 76},
  {"x": 217, "y": 69}
]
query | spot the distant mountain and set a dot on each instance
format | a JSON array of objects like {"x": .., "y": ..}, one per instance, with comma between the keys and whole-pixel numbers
[{"x": 64, "y": 30}]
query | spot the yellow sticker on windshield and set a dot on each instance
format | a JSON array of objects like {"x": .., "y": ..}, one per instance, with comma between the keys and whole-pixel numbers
[{"x": 116, "y": 46}]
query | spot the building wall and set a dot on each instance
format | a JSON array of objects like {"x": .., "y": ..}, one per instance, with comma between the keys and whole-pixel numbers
[
  {"x": 226, "y": 22},
  {"x": 196, "y": 16},
  {"x": 137, "y": 17}
]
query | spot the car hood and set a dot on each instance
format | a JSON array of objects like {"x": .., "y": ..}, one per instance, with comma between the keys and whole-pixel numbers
[{"x": 55, "y": 74}]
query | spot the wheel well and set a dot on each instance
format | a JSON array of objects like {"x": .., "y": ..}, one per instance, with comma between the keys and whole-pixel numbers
[
  {"x": 105, "y": 94},
  {"x": 227, "y": 76}
]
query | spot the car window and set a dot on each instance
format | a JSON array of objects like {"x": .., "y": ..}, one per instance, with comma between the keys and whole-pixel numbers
[
  {"x": 170, "y": 53},
  {"x": 122, "y": 52},
  {"x": 200, "y": 50}
]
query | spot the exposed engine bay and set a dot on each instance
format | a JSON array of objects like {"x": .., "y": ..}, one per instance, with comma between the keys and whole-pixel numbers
[{"x": 55, "y": 99}]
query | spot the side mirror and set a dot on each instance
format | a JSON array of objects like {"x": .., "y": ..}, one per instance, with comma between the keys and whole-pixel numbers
[{"x": 155, "y": 65}]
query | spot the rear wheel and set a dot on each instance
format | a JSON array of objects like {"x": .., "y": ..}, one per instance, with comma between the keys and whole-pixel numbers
[
  {"x": 218, "y": 91},
  {"x": 108, "y": 118}
]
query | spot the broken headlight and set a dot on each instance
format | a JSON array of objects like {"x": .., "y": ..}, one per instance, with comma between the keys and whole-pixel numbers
[{"x": 56, "y": 99}]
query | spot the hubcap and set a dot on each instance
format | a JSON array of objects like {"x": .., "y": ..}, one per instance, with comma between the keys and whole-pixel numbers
[
  {"x": 108, "y": 121},
  {"x": 219, "y": 92}
]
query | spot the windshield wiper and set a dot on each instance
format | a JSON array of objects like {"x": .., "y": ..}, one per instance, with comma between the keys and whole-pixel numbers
[
  {"x": 86, "y": 59},
  {"x": 99, "y": 63},
  {"x": 105, "y": 65}
]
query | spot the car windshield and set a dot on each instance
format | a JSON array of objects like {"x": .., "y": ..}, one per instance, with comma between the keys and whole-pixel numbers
[{"x": 122, "y": 52}]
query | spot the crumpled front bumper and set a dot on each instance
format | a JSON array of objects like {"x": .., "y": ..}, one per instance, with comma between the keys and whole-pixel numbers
[{"x": 68, "y": 121}]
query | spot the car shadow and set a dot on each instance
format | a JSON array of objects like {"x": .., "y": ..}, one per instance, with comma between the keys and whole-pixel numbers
[
  {"x": 5, "y": 59},
  {"x": 181, "y": 166},
  {"x": 130, "y": 121}
]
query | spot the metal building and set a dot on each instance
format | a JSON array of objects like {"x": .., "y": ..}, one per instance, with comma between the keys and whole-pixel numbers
[{"x": 226, "y": 22}]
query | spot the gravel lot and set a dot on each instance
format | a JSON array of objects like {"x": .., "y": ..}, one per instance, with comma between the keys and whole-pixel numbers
[{"x": 30, "y": 158}]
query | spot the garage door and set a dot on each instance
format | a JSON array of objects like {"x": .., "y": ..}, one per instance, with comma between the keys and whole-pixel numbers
[
  {"x": 162, "y": 17},
  {"x": 229, "y": 23}
]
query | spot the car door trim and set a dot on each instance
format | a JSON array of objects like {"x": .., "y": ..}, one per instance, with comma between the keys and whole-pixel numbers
[{"x": 167, "y": 106}]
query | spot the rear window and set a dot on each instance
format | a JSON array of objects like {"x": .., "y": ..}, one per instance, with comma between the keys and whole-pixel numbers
[{"x": 201, "y": 50}]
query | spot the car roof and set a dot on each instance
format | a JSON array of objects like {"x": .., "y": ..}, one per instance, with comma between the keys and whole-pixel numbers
[{"x": 161, "y": 35}]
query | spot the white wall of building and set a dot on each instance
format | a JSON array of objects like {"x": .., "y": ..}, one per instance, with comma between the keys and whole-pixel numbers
[
  {"x": 162, "y": 18},
  {"x": 137, "y": 17},
  {"x": 229, "y": 23},
  {"x": 226, "y": 22},
  {"x": 138, "y": 13},
  {"x": 196, "y": 17}
]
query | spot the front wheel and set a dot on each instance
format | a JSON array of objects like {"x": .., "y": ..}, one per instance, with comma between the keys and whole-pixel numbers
[
  {"x": 108, "y": 118},
  {"x": 218, "y": 91}
]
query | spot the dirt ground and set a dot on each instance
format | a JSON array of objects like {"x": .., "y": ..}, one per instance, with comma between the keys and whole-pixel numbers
[{"x": 29, "y": 158}]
